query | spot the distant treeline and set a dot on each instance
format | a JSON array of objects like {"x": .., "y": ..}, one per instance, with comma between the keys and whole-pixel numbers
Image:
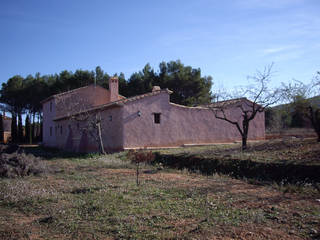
[
  {"x": 288, "y": 116},
  {"x": 23, "y": 95}
]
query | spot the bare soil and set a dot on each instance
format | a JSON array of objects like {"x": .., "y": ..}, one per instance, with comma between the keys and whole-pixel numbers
[{"x": 97, "y": 198}]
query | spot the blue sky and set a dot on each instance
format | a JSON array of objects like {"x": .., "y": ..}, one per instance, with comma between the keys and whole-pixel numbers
[{"x": 228, "y": 40}]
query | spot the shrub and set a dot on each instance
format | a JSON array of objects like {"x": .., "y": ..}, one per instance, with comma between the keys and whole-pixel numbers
[
  {"x": 20, "y": 165},
  {"x": 138, "y": 157},
  {"x": 9, "y": 148}
]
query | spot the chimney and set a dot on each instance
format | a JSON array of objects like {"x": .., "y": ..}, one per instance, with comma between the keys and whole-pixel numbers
[
  {"x": 114, "y": 89},
  {"x": 4, "y": 114}
]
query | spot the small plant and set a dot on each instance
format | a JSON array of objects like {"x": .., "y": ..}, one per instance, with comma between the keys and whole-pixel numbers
[
  {"x": 20, "y": 165},
  {"x": 138, "y": 157}
]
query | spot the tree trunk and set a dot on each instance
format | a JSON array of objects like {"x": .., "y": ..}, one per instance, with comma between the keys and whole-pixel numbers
[
  {"x": 244, "y": 143},
  {"x": 27, "y": 129},
  {"x": 20, "y": 128},
  {"x": 14, "y": 128},
  {"x": 1, "y": 128},
  {"x": 41, "y": 127},
  {"x": 101, "y": 148},
  {"x": 33, "y": 125},
  {"x": 318, "y": 134},
  {"x": 137, "y": 173},
  {"x": 245, "y": 129},
  {"x": 30, "y": 131},
  {"x": 41, "y": 131},
  {"x": 315, "y": 120}
]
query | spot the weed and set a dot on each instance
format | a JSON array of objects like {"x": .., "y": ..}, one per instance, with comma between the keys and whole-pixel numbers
[
  {"x": 20, "y": 165},
  {"x": 138, "y": 157},
  {"x": 96, "y": 197}
]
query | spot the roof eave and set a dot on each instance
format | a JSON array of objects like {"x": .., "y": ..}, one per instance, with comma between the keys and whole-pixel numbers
[
  {"x": 47, "y": 99},
  {"x": 114, "y": 104}
]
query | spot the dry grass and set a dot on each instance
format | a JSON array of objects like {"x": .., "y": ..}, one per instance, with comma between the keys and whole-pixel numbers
[
  {"x": 20, "y": 165},
  {"x": 284, "y": 151},
  {"x": 97, "y": 198}
]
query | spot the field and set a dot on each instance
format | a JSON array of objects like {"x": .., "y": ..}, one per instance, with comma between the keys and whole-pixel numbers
[{"x": 96, "y": 197}]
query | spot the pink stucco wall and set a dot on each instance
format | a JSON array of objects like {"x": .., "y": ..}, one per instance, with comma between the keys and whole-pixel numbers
[
  {"x": 48, "y": 116},
  {"x": 68, "y": 103},
  {"x": 179, "y": 125},
  {"x": 81, "y": 99},
  {"x": 131, "y": 125},
  {"x": 76, "y": 135}
]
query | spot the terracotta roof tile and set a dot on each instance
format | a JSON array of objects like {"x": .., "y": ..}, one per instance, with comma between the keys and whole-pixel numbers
[
  {"x": 72, "y": 91},
  {"x": 115, "y": 103},
  {"x": 225, "y": 103}
]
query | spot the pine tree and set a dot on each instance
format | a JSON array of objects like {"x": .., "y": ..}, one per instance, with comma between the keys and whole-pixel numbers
[
  {"x": 41, "y": 131},
  {"x": 1, "y": 128},
  {"x": 27, "y": 129},
  {"x": 14, "y": 128},
  {"x": 20, "y": 129}
]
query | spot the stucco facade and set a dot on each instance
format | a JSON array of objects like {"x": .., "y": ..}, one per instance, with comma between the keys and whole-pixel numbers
[
  {"x": 6, "y": 131},
  {"x": 148, "y": 120},
  {"x": 179, "y": 125}
]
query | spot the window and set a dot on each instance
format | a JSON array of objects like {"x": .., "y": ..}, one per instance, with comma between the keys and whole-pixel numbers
[
  {"x": 50, "y": 106},
  {"x": 78, "y": 126},
  {"x": 50, "y": 131},
  {"x": 110, "y": 118},
  {"x": 61, "y": 130},
  {"x": 157, "y": 118},
  {"x": 56, "y": 130}
]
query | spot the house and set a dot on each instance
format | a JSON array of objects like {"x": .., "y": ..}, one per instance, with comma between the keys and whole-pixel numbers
[
  {"x": 5, "y": 134},
  {"x": 147, "y": 120}
]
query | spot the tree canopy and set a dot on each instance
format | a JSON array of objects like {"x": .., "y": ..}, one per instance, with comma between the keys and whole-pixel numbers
[
  {"x": 303, "y": 99},
  {"x": 188, "y": 86},
  {"x": 23, "y": 95}
]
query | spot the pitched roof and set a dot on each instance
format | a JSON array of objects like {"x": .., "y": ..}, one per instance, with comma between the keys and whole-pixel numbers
[
  {"x": 226, "y": 103},
  {"x": 64, "y": 93},
  {"x": 115, "y": 103},
  {"x": 72, "y": 91}
]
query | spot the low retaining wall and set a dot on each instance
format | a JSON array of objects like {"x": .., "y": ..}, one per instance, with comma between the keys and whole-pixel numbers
[{"x": 288, "y": 173}]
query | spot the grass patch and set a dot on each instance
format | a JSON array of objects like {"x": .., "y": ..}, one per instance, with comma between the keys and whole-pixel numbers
[
  {"x": 96, "y": 197},
  {"x": 295, "y": 161}
]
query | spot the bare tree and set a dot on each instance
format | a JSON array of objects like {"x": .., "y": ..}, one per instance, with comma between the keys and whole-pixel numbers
[
  {"x": 261, "y": 97},
  {"x": 305, "y": 99},
  {"x": 81, "y": 114},
  {"x": 92, "y": 124}
]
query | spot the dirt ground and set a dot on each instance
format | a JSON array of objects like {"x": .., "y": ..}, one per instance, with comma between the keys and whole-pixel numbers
[{"x": 97, "y": 198}]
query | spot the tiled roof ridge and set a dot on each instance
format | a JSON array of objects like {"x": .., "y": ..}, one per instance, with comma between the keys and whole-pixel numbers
[
  {"x": 229, "y": 101},
  {"x": 183, "y": 106},
  {"x": 233, "y": 99},
  {"x": 134, "y": 98},
  {"x": 147, "y": 94},
  {"x": 73, "y": 90}
]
